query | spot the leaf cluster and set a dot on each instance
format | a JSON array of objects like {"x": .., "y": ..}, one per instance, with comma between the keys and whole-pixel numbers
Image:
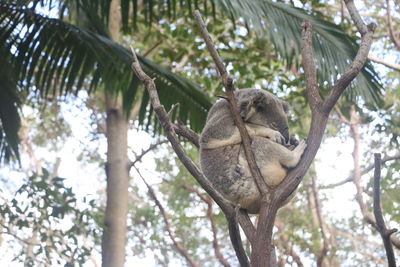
[{"x": 46, "y": 208}]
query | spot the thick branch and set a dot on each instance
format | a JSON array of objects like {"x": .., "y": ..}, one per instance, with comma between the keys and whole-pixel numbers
[
  {"x": 309, "y": 65},
  {"x": 228, "y": 84},
  {"x": 381, "y": 226},
  {"x": 320, "y": 116}
]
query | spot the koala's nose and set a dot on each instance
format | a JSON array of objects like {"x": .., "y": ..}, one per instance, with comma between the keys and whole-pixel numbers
[{"x": 285, "y": 133}]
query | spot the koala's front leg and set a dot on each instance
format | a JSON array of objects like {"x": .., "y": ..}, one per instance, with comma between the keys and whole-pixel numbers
[
  {"x": 275, "y": 136},
  {"x": 293, "y": 157}
]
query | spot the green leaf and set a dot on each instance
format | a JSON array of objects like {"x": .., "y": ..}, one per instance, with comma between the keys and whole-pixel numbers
[{"x": 9, "y": 116}]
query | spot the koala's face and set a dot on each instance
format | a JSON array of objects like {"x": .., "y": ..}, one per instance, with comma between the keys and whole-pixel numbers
[{"x": 263, "y": 108}]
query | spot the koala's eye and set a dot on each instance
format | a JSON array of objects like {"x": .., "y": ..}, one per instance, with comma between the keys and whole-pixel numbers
[{"x": 260, "y": 108}]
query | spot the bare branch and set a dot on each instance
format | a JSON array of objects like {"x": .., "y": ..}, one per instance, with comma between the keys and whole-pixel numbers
[
  {"x": 320, "y": 116},
  {"x": 355, "y": 133},
  {"x": 228, "y": 84},
  {"x": 365, "y": 170},
  {"x": 144, "y": 152},
  {"x": 209, "y": 202},
  {"x": 146, "y": 53},
  {"x": 288, "y": 248},
  {"x": 358, "y": 62},
  {"x": 385, "y": 63},
  {"x": 392, "y": 35},
  {"x": 214, "y": 228},
  {"x": 325, "y": 247},
  {"x": 170, "y": 133},
  {"x": 177, "y": 245},
  {"x": 381, "y": 226},
  {"x": 184, "y": 131},
  {"x": 309, "y": 66},
  {"x": 27, "y": 242}
]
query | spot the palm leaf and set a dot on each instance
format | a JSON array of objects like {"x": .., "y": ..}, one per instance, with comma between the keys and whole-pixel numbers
[
  {"x": 280, "y": 23},
  {"x": 9, "y": 117},
  {"x": 68, "y": 56},
  {"x": 58, "y": 58}
]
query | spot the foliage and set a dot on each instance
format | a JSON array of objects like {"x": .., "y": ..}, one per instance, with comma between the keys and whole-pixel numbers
[
  {"x": 44, "y": 214},
  {"x": 187, "y": 214},
  {"x": 70, "y": 57},
  {"x": 9, "y": 118}
]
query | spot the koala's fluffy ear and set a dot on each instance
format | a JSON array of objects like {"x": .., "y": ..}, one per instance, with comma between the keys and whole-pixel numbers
[
  {"x": 286, "y": 107},
  {"x": 247, "y": 107}
]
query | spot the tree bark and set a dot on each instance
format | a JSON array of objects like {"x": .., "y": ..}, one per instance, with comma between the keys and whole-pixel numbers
[{"x": 117, "y": 166}]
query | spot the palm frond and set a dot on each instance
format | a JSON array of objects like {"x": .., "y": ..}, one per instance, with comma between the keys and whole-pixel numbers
[
  {"x": 281, "y": 24},
  {"x": 9, "y": 117},
  {"x": 58, "y": 58},
  {"x": 334, "y": 49}
]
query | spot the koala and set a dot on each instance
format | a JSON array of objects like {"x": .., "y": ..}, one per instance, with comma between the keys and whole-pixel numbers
[{"x": 222, "y": 157}]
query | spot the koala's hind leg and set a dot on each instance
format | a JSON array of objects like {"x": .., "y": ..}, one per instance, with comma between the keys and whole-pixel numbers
[{"x": 291, "y": 158}]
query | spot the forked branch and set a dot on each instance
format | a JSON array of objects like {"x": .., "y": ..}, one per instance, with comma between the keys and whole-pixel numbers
[
  {"x": 169, "y": 128},
  {"x": 227, "y": 82}
]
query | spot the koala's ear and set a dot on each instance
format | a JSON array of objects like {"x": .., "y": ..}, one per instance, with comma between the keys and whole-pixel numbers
[
  {"x": 285, "y": 106},
  {"x": 259, "y": 100},
  {"x": 244, "y": 109}
]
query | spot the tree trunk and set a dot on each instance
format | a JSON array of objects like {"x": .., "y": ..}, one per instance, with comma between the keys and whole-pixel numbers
[{"x": 117, "y": 170}]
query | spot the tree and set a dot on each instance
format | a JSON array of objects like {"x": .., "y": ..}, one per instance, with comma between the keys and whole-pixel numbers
[
  {"x": 260, "y": 237},
  {"x": 82, "y": 69}
]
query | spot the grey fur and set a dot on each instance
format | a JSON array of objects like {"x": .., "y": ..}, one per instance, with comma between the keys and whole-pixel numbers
[{"x": 221, "y": 153}]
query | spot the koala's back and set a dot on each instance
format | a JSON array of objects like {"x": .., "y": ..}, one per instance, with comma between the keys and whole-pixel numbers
[
  {"x": 228, "y": 170},
  {"x": 223, "y": 168},
  {"x": 221, "y": 151}
]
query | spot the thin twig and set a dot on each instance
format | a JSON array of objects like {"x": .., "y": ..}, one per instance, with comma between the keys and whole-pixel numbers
[
  {"x": 385, "y": 233},
  {"x": 144, "y": 152},
  {"x": 286, "y": 245},
  {"x": 208, "y": 200},
  {"x": 392, "y": 35},
  {"x": 325, "y": 246},
  {"x": 177, "y": 245},
  {"x": 151, "y": 49},
  {"x": 184, "y": 131},
  {"x": 365, "y": 170},
  {"x": 393, "y": 66}
]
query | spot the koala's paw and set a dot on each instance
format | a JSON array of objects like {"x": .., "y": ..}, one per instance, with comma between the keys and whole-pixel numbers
[
  {"x": 301, "y": 147},
  {"x": 277, "y": 137}
]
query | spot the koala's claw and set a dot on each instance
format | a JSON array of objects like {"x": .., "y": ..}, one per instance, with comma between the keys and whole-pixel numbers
[
  {"x": 302, "y": 146},
  {"x": 278, "y": 138}
]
